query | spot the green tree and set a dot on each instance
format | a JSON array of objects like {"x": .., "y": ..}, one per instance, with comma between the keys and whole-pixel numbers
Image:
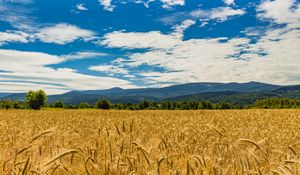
[
  {"x": 59, "y": 104},
  {"x": 144, "y": 105},
  {"x": 7, "y": 104},
  {"x": 36, "y": 99},
  {"x": 19, "y": 105},
  {"x": 103, "y": 104},
  {"x": 83, "y": 105},
  {"x": 69, "y": 106},
  {"x": 277, "y": 103}
]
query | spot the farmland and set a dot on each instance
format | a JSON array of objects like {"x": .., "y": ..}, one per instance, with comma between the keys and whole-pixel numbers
[{"x": 149, "y": 142}]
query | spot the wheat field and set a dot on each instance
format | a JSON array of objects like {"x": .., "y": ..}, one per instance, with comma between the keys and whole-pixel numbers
[{"x": 88, "y": 142}]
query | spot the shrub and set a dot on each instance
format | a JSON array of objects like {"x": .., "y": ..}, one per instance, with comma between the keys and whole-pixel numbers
[
  {"x": 7, "y": 104},
  {"x": 103, "y": 104},
  {"x": 59, "y": 104},
  {"x": 36, "y": 99},
  {"x": 83, "y": 105}
]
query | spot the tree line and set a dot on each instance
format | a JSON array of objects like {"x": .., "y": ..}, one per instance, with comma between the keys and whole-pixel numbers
[
  {"x": 38, "y": 99},
  {"x": 34, "y": 100},
  {"x": 277, "y": 103},
  {"x": 147, "y": 105}
]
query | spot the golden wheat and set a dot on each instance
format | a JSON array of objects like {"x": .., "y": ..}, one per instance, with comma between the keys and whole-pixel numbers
[{"x": 88, "y": 142}]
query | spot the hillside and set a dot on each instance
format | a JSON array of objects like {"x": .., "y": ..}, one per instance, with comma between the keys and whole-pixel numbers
[
  {"x": 242, "y": 98},
  {"x": 184, "y": 89},
  {"x": 2, "y": 95},
  {"x": 237, "y": 93}
]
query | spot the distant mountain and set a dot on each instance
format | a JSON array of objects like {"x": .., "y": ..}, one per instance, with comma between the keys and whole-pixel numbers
[
  {"x": 289, "y": 89},
  {"x": 242, "y": 93},
  {"x": 2, "y": 95},
  {"x": 15, "y": 97},
  {"x": 185, "y": 89},
  {"x": 242, "y": 98}
]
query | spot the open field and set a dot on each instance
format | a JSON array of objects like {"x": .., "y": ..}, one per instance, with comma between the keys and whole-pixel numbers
[{"x": 150, "y": 142}]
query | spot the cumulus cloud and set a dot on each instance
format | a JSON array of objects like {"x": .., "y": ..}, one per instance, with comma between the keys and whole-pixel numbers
[
  {"x": 107, "y": 5},
  {"x": 81, "y": 7},
  {"x": 220, "y": 14},
  {"x": 64, "y": 33},
  {"x": 179, "y": 29},
  {"x": 229, "y": 2},
  {"x": 61, "y": 33},
  {"x": 280, "y": 11},
  {"x": 14, "y": 36},
  {"x": 166, "y": 4},
  {"x": 34, "y": 68},
  {"x": 116, "y": 67},
  {"x": 171, "y": 3},
  {"x": 83, "y": 55},
  {"x": 274, "y": 58},
  {"x": 109, "y": 69},
  {"x": 145, "y": 2},
  {"x": 280, "y": 43},
  {"x": 153, "y": 39},
  {"x": 17, "y": 14},
  {"x": 132, "y": 40}
]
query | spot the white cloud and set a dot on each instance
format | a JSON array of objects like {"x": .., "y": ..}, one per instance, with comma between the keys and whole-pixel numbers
[
  {"x": 107, "y": 5},
  {"x": 229, "y": 2},
  {"x": 220, "y": 14},
  {"x": 64, "y": 33},
  {"x": 17, "y": 87},
  {"x": 153, "y": 39},
  {"x": 179, "y": 29},
  {"x": 83, "y": 55},
  {"x": 131, "y": 40},
  {"x": 12, "y": 60},
  {"x": 280, "y": 11},
  {"x": 203, "y": 24},
  {"x": 171, "y": 3},
  {"x": 167, "y": 4},
  {"x": 109, "y": 69},
  {"x": 146, "y": 3},
  {"x": 81, "y": 7},
  {"x": 18, "y": 1},
  {"x": 61, "y": 33},
  {"x": 18, "y": 15},
  {"x": 33, "y": 68},
  {"x": 13, "y": 36},
  {"x": 116, "y": 67},
  {"x": 273, "y": 59}
]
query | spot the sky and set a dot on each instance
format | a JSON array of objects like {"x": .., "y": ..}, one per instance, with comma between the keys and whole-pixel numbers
[{"x": 63, "y": 45}]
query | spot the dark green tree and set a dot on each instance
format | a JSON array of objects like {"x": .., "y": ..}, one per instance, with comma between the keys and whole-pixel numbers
[
  {"x": 83, "y": 105},
  {"x": 144, "y": 105},
  {"x": 7, "y": 104},
  {"x": 59, "y": 104},
  {"x": 69, "y": 106},
  {"x": 36, "y": 99},
  {"x": 277, "y": 103},
  {"x": 19, "y": 105},
  {"x": 103, "y": 104}
]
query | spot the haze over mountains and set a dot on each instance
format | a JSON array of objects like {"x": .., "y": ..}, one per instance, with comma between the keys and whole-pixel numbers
[{"x": 238, "y": 93}]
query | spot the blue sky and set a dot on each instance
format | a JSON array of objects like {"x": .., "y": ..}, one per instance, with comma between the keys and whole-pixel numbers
[{"x": 98, "y": 44}]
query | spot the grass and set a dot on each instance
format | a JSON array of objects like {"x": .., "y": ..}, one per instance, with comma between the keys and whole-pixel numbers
[{"x": 87, "y": 142}]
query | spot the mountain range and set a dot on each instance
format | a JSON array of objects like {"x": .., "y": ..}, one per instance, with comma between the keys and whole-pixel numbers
[{"x": 237, "y": 93}]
